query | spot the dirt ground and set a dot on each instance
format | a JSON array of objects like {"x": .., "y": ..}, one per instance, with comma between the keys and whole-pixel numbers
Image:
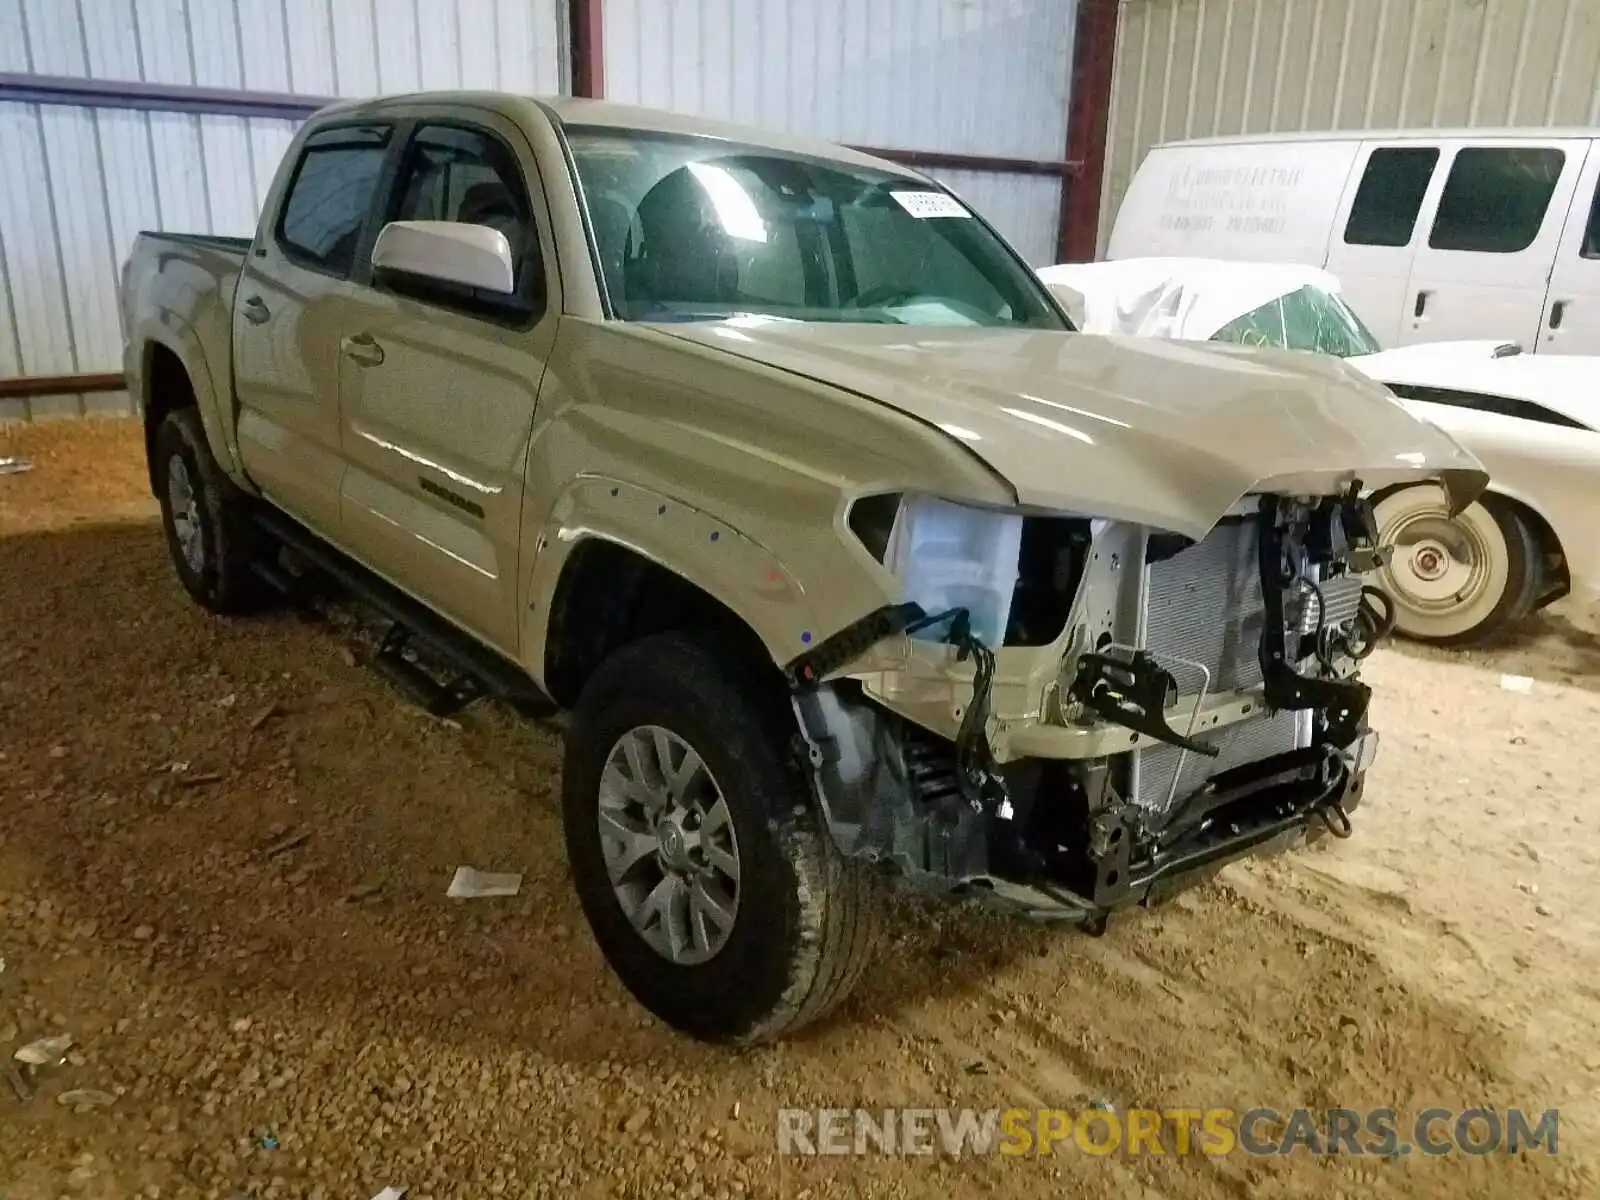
[{"x": 224, "y": 848}]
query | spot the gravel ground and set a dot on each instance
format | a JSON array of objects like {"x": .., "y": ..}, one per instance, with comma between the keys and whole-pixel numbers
[{"x": 224, "y": 847}]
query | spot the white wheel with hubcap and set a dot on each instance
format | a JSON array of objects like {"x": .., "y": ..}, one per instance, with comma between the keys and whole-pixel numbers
[{"x": 1454, "y": 579}]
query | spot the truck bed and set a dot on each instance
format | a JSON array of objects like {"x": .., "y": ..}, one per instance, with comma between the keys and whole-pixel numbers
[
  {"x": 214, "y": 241},
  {"x": 177, "y": 290}
]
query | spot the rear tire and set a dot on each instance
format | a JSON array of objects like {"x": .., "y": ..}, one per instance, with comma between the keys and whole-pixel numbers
[
  {"x": 209, "y": 533},
  {"x": 1456, "y": 580},
  {"x": 797, "y": 922}
]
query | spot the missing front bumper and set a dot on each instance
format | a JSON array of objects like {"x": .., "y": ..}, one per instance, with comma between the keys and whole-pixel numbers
[{"x": 1264, "y": 807}]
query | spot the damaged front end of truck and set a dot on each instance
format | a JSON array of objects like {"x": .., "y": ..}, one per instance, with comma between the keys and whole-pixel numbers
[{"x": 1152, "y": 705}]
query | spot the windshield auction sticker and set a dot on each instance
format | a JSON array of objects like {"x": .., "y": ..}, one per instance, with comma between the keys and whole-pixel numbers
[{"x": 929, "y": 204}]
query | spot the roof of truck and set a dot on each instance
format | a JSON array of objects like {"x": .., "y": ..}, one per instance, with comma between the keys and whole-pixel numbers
[
  {"x": 1524, "y": 133},
  {"x": 573, "y": 111}
]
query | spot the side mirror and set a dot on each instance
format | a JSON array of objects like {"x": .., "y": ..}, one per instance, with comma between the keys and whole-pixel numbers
[{"x": 473, "y": 256}]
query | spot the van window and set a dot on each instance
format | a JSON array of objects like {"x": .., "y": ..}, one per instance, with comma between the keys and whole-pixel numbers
[
  {"x": 328, "y": 200},
  {"x": 1390, "y": 196},
  {"x": 1591, "y": 232},
  {"x": 1495, "y": 199}
]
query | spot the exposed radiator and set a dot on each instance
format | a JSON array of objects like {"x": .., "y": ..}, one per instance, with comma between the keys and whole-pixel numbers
[
  {"x": 1204, "y": 606},
  {"x": 1249, "y": 741}
]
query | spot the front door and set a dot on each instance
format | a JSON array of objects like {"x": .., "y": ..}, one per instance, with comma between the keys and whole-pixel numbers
[
  {"x": 1484, "y": 267},
  {"x": 1572, "y": 309},
  {"x": 438, "y": 386}
]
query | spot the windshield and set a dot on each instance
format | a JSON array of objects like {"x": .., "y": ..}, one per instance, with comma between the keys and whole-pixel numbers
[
  {"x": 1307, "y": 319},
  {"x": 694, "y": 228}
]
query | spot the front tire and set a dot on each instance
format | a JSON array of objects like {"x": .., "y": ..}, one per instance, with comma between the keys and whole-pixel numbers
[
  {"x": 1455, "y": 580},
  {"x": 209, "y": 533},
  {"x": 703, "y": 867}
]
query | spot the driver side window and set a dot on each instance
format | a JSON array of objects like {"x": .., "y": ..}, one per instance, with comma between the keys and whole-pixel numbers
[{"x": 452, "y": 173}]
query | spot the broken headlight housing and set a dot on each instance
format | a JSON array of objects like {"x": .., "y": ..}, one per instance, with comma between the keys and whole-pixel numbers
[{"x": 953, "y": 557}]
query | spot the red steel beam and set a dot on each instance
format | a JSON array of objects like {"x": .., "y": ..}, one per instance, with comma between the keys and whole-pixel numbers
[
  {"x": 953, "y": 161},
  {"x": 1093, "y": 67},
  {"x": 59, "y": 385},
  {"x": 587, "y": 23}
]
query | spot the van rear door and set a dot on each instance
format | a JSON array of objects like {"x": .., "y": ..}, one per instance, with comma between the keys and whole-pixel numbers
[
  {"x": 1377, "y": 230},
  {"x": 1494, "y": 217},
  {"x": 1571, "y": 323}
]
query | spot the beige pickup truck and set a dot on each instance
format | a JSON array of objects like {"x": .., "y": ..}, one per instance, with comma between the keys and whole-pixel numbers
[{"x": 777, "y": 467}]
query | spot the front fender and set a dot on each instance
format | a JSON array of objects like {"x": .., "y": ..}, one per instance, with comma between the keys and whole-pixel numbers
[{"x": 701, "y": 548}]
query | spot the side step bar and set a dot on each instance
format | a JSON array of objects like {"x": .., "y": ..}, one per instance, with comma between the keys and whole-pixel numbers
[
  {"x": 478, "y": 671},
  {"x": 439, "y": 699}
]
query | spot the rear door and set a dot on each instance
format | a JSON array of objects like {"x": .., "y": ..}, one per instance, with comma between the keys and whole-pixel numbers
[
  {"x": 287, "y": 310},
  {"x": 438, "y": 387},
  {"x": 1571, "y": 322},
  {"x": 1377, "y": 230},
  {"x": 1493, "y": 223}
]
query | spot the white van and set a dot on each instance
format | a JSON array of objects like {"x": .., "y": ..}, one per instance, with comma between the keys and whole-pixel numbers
[{"x": 1434, "y": 235}]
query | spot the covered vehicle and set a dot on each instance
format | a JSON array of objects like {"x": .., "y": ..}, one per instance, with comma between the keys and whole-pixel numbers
[{"x": 1531, "y": 421}]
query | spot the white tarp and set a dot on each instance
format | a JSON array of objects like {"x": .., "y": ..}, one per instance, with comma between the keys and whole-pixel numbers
[
  {"x": 1188, "y": 298},
  {"x": 1194, "y": 298}
]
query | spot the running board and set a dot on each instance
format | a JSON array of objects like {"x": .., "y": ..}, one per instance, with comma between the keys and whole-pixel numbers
[
  {"x": 477, "y": 670},
  {"x": 440, "y": 699}
]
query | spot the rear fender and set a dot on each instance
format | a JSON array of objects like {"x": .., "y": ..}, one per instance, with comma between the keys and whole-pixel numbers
[{"x": 215, "y": 403}]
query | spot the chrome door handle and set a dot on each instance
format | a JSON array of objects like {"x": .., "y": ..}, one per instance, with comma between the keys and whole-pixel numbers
[
  {"x": 255, "y": 311},
  {"x": 363, "y": 348}
]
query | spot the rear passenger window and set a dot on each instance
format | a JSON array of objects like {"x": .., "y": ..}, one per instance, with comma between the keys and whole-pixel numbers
[
  {"x": 330, "y": 196},
  {"x": 1495, "y": 199},
  {"x": 1390, "y": 196}
]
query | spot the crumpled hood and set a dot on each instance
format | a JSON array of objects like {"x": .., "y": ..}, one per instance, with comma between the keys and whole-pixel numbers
[{"x": 1168, "y": 434}]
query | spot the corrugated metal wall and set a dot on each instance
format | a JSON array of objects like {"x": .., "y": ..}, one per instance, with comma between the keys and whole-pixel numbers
[
  {"x": 1197, "y": 68},
  {"x": 77, "y": 184},
  {"x": 961, "y": 76}
]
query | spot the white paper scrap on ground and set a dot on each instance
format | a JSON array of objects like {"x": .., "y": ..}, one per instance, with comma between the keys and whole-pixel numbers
[
  {"x": 1516, "y": 683},
  {"x": 391, "y": 1193},
  {"x": 930, "y": 204},
  {"x": 477, "y": 885},
  {"x": 46, "y": 1052}
]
